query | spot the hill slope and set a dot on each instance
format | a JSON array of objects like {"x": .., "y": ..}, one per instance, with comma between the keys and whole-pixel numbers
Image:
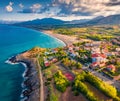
[
  {"x": 45, "y": 21},
  {"x": 112, "y": 19}
]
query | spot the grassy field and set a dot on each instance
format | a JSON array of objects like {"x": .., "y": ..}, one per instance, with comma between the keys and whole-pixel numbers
[{"x": 96, "y": 33}]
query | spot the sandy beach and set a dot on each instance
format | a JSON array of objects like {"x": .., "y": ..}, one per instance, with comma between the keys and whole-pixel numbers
[{"x": 65, "y": 38}]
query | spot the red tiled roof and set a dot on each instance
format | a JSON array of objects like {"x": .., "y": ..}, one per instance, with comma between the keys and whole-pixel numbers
[
  {"x": 103, "y": 55},
  {"x": 47, "y": 64},
  {"x": 98, "y": 55},
  {"x": 94, "y": 64},
  {"x": 111, "y": 66},
  {"x": 95, "y": 55}
]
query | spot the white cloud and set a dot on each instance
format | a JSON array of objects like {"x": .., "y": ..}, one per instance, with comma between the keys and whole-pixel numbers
[
  {"x": 11, "y": 3},
  {"x": 93, "y": 7},
  {"x": 52, "y": 11},
  {"x": 35, "y": 6},
  {"x": 66, "y": 1},
  {"x": 73, "y": 9},
  {"x": 21, "y": 5},
  {"x": 9, "y": 7}
]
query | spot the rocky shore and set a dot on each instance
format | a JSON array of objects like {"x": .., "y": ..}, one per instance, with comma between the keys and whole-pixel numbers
[{"x": 31, "y": 78}]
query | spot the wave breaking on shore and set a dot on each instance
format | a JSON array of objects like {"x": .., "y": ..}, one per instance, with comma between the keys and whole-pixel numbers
[{"x": 30, "y": 83}]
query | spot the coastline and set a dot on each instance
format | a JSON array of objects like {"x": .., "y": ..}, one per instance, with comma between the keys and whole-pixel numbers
[
  {"x": 31, "y": 83},
  {"x": 68, "y": 40}
]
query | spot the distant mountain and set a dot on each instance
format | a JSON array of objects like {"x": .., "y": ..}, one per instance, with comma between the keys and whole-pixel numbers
[
  {"x": 78, "y": 21},
  {"x": 112, "y": 19},
  {"x": 100, "y": 20},
  {"x": 45, "y": 21},
  {"x": 8, "y": 22}
]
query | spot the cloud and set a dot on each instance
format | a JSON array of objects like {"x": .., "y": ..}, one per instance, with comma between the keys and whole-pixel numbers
[
  {"x": 113, "y": 3},
  {"x": 76, "y": 8},
  {"x": 9, "y": 7},
  {"x": 35, "y": 8},
  {"x": 21, "y": 5},
  {"x": 52, "y": 11},
  {"x": 90, "y": 7},
  {"x": 11, "y": 3}
]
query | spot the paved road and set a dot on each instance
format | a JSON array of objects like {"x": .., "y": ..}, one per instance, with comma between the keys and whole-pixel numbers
[
  {"x": 116, "y": 84},
  {"x": 41, "y": 82}
]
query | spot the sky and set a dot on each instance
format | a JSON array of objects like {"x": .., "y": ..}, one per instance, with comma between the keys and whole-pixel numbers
[{"x": 23, "y": 10}]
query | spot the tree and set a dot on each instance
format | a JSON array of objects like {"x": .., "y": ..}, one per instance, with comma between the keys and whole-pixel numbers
[
  {"x": 78, "y": 65},
  {"x": 60, "y": 81}
]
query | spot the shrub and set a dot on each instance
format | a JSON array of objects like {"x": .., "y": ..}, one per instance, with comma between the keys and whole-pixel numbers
[
  {"x": 104, "y": 87},
  {"x": 60, "y": 81}
]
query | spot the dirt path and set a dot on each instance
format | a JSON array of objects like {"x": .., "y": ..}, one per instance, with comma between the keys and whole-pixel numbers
[{"x": 41, "y": 82}]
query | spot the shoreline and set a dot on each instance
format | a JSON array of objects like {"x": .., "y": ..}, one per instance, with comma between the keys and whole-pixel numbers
[
  {"x": 68, "y": 40},
  {"x": 31, "y": 83}
]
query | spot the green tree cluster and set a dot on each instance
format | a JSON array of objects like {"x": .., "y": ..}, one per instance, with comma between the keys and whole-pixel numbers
[
  {"x": 79, "y": 86},
  {"x": 99, "y": 37},
  {"x": 60, "y": 81},
  {"x": 64, "y": 31},
  {"x": 102, "y": 86},
  {"x": 71, "y": 63}
]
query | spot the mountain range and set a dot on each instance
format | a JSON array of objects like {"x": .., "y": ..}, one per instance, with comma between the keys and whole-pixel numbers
[
  {"x": 109, "y": 20},
  {"x": 45, "y": 21},
  {"x": 100, "y": 20}
]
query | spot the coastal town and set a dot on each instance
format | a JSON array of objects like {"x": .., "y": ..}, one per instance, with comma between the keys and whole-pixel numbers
[
  {"x": 59, "y": 50},
  {"x": 83, "y": 69}
]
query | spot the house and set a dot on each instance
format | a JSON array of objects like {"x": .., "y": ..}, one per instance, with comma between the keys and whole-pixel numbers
[
  {"x": 111, "y": 68},
  {"x": 95, "y": 50},
  {"x": 88, "y": 48},
  {"x": 76, "y": 48},
  {"x": 47, "y": 63},
  {"x": 88, "y": 44},
  {"x": 73, "y": 55},
  {"x": 98, "y": 57},
  {"x": 47, "y": 53},
  {"x": 118, "y": 49},
  {"x": 55, "y": 50},
  {"x": 98, "y": 60},
  {"x": 105, "y": 51},
  {"x": 94, "y": 65},
  {"x": 70, "y": 47},
  {"x": 110, "y": 53},
  {"x": 96, "y": 43},
  {"x": 50, "y": 58},
  {"x": 54, "y": 60}
]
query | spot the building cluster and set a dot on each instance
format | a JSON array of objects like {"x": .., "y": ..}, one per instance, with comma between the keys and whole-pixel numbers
[{"x": 99, "y": 54}]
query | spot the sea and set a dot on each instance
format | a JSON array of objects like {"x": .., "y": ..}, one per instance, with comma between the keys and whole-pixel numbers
[{"x": 14, "y": 40}]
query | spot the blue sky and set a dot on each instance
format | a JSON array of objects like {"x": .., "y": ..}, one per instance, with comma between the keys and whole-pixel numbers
[{"x": 62, "y": 9}]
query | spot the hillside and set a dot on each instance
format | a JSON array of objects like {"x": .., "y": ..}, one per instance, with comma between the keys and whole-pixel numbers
[
  {"x": 112, "y": 19},
  {"x": 45, "y": 21}
]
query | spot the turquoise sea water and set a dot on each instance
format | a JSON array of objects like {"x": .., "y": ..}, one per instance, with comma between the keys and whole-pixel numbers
[{"x": 14, "y": 40}]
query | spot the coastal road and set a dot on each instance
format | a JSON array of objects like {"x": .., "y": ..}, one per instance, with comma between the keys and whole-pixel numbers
[{"x": 41, "y": 82}]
